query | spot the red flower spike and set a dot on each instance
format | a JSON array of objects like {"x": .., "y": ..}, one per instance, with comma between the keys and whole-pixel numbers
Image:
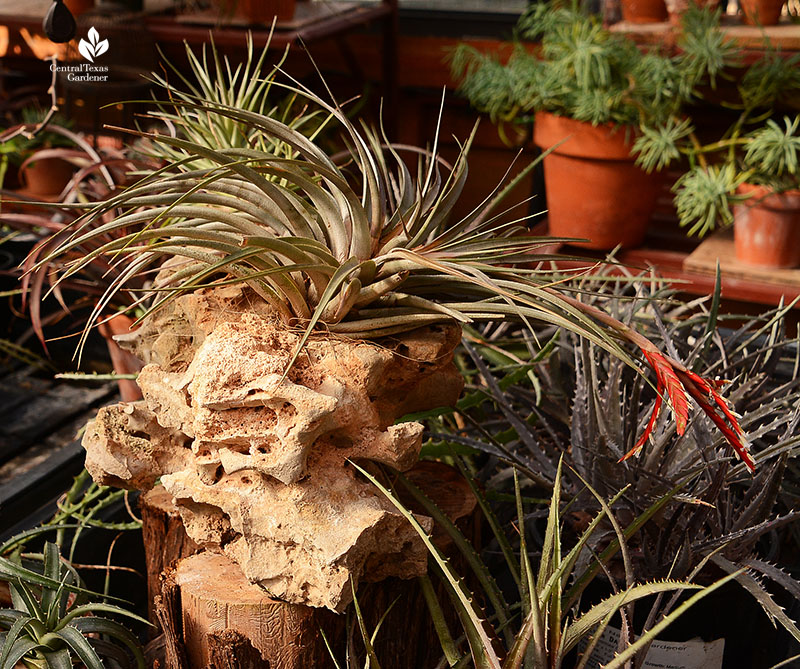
[
  {"x": 650, "y": 425},
  {"x": 670, "y": 383},
  {"x": 678, "y": 381}
]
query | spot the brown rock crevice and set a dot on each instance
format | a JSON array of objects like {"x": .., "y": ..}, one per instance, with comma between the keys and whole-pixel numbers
[{"x": 258, "y": 463}]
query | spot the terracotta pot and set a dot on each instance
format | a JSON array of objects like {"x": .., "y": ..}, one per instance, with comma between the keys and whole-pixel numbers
[
  {"x": 644, "y": 11},
  {"x": 46, "y": 177},
  {"x": 677, "y": 8},
  {"x": 78, "y": 7},
  {"x": 594, "y": 189},
  {"x": 766, "y": 228},
  {"x": 122, "y": 361},
  {"x": 258, "y": 11},
  {"x": 761, "y": 12}
]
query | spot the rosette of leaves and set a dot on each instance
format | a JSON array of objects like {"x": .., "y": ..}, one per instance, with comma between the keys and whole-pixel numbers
[
  {"x": 581, "y": 70},
  {"x": 359, "y": 248},
  {"x": 53, "y": 622},
  {"x": 606, "y": 424}
]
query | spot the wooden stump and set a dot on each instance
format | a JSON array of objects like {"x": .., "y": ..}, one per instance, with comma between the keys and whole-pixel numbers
[
  {"x": 165, "y": 540},
  {"x": 229, "y": 623},
  {"x": 216, "y": 597}
]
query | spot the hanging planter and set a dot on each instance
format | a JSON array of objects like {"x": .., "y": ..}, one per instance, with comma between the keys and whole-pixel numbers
[
  {"x": 766, "y": 227},
  {"x": 594, "y": 189},
  {"x": 761, "y": 12}
]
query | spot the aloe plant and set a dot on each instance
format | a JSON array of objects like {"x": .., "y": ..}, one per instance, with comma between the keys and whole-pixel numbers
[{"x": 52, "y": 622}]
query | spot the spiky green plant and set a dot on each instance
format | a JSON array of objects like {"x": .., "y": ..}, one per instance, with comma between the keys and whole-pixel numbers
[
  {"x": 245, "y": 86},
  {"x": 360, "y": 249},
  {"x": 552, "y": 624},
  {"x": 604, "y": 421},
  {"x": 53, "y": 623}
]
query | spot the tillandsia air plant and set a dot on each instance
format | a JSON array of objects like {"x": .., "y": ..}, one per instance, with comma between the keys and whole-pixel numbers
[
  {"x": 714, "y": 516},
  {"x": 55, "y": 620},
  {"x": 554, "y": 628},
  {"x": 241, "y": 86},
  {"x": 581, "y": 70},
  {"x": 357, "y": 248}
]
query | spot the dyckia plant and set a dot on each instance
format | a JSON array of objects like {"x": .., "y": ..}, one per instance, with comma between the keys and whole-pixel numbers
[{"x": 359, "y": 248}]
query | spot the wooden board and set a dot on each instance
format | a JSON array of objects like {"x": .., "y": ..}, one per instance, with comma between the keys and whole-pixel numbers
[
  {"x": 785, "y": 35},
  {"x": 720, "y": 246},
  {"x": 305, "y": 14}
]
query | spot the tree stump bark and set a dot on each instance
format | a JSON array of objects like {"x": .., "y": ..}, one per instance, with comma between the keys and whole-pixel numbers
[
  {"x": 229, "y": 622},
  {"x": 165, "y": 540},
  {"x": 216, "y": 597}
]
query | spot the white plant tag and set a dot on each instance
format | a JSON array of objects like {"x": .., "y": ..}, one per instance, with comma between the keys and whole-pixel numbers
[{"x": 693, "y": 654}]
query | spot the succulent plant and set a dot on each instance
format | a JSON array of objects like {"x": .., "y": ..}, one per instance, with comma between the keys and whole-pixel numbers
[
  {"x": 604, "y": 422},
  {"x": 53, "y": 621},
  {"x": 582, "y": 70}
]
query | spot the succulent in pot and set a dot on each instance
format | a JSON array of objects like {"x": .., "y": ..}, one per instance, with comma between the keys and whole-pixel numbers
[
  {"x": 643, "y": 11},
  {"x": 46, "y": 160},
  {"x": 752, "y": 162},
  {"x": 587, "y": 92},
  {"x": 761, "y": 12}
]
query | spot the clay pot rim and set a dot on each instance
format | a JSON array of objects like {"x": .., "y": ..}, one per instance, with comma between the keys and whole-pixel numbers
[
  {"x": 608, "y": 141},
  {"x": 765, "y": 197}
]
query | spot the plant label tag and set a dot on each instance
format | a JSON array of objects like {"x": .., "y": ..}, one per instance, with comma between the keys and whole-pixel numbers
[{"x": 692, "y": 654}]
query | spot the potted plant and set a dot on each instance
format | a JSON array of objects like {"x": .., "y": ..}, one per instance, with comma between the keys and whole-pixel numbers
[
  {"x": 747, "y": 176},
  {"x": 643, "y": 11},
  {"x": 761, "y": 12},
  {"x": 587, "y": 91},
  {"x": 45, "y": 161}
]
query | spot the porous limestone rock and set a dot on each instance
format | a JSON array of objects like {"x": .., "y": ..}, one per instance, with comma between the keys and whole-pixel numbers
[{"x": 258, "y": 458}]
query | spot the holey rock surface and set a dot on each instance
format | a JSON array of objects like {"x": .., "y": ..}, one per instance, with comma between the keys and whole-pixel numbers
[{"x": 259, "y": 465}]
